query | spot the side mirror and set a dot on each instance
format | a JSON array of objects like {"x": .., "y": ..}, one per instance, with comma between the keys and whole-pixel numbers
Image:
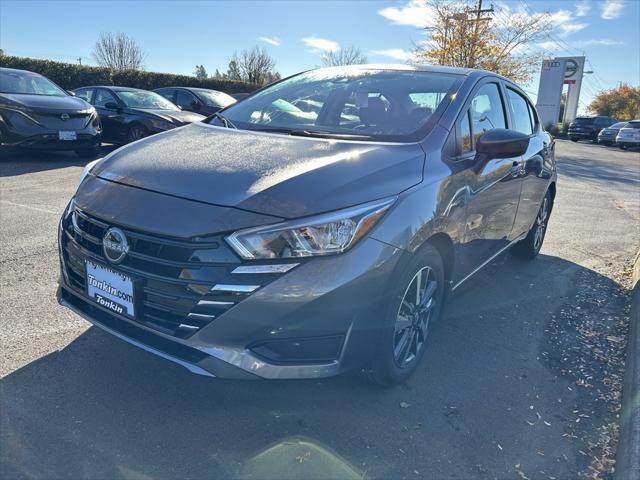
[
  {"x": 73, "y": 94},
  {"x": 501, "y": 143},
  {"x": 195, "y": 105},
  {"x": 111, "y": 106}
]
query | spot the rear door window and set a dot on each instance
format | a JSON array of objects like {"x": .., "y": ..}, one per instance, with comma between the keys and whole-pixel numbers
[{"x": 520, "y": 114}]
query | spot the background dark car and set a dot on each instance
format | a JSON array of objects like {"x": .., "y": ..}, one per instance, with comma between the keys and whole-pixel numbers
[
  {"x": 607, "y": 136},
  {"x": 129, "y": 114},
  {"x": 588, "y": 128},
  {"x": 198, "y": 100},
  {"x": 37, "y": 113}
]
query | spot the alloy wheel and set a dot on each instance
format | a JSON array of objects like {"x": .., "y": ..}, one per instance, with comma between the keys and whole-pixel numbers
[
  {"x": 136, "y": 133},
  {"x": 541, "y": 223},
  {"x": 414, "y": 315}
]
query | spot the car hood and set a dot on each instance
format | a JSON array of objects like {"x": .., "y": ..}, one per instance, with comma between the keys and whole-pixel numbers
[
  {"x": 179, "y": 117},
  {"x": 266, "y": 173},
  {"x": 45, "y": 102}
]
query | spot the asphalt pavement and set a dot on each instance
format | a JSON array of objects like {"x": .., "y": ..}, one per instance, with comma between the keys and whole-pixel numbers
[{"x": 521, "y": 379}]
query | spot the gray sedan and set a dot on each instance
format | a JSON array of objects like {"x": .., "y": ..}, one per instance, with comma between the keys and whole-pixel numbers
[{"x": 269, "y": 242}]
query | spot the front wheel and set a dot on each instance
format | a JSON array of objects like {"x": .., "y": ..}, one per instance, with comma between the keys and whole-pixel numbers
[
  {"x": 622, "y": 147},
  {"x": 574, "y": 139},
  {"x": 416, "y": 304},
  {"x": 136, "y": 132},
  {"x": 530, "y": 246}
]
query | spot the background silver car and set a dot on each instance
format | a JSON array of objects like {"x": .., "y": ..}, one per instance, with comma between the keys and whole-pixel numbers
[
  {"x": 629, "y": 136},
  {"x": 607, "y": 136}
]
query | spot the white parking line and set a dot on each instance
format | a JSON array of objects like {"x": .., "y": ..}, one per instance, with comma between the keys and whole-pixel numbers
[{"x": 37, "y": 209}]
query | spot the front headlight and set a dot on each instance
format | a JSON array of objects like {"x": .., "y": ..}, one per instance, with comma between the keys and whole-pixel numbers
[
  {"x": 325, "y": 234},
  {"x": 87, "y": 169},
  {"x": 162, "y": 124}
]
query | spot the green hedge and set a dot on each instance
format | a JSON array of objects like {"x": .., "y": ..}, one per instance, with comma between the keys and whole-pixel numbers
[{"x": 70, "y": 76}]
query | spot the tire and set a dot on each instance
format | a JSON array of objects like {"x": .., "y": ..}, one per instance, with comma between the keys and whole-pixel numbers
[
  {"x": 88, "y": 152},
  {"x": 529, "y": 247},
  {"x": 622, "y": 147},
  {"x": 402, "y": 340},
  {"x": 574, "y": 139},
  {"x": 136, "y": 132}
]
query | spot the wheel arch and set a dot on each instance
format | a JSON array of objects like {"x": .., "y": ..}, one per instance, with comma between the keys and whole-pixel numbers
[{"x": 444, "y": 245}]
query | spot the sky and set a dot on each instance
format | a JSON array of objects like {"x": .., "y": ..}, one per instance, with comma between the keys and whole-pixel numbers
[{"x": 177, "y": 35}]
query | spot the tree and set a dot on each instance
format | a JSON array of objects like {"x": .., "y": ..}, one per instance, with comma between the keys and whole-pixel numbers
[
  {"x": 118, "y": 51},
  {"x": 344, "y": 56},
  {"x": 200, "y": 72},
  {"x": 1, "y": 52},
  {"x": 253, "y": 66},
  {"x": 622, "y": 103},
  {"x": 217, "y": 74},
  {"x": 463, "y": 35},
  {"x": 233, "y": 70}
]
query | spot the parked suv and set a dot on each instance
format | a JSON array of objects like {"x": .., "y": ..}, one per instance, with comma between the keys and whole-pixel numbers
[
  {"x": 267, "y": 244},
  {"x": 36, "y": 113},
  {"x": 587, "y": 128},
  {"x": 629, "y": 136}
]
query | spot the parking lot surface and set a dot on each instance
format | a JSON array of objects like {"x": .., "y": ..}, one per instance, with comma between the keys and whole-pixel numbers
[{"x": 521, "y": 379}]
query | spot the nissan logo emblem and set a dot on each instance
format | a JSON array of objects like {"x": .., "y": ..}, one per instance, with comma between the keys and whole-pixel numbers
[
  {"x": 64, "y": 116},
  {"x": 115, "y": 245}
]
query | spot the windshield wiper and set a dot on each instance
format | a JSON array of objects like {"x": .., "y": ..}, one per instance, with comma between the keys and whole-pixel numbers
[
  {"x": 227, "y": 123},
  {"x": 315, "y": 133},
  {"x": 323, "y": 134}
]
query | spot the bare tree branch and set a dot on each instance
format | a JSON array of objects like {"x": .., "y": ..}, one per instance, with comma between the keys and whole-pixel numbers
[
  {"x": 118, "y": 51},
  {"x": 344, "y": 56}
]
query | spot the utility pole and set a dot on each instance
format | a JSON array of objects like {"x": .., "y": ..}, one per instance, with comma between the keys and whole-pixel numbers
[{"x": 479, "y": 18}]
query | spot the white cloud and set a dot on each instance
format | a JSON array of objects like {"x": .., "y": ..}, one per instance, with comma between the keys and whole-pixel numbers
[
  {"x": 321, "y": 44},
  {"x": 569, "y": 28},
  {"x": 603, "y": 41},
  {"x": 582, "y": 8},
  {"x": 275, "y": 41},
  {"x": 396, "y": 53},
  {"x": 611, "y": 9},
  {"x": 416, "y": 13}
]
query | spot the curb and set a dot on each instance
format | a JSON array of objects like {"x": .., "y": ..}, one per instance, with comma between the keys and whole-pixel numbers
[{"x": 628, "y": 454}]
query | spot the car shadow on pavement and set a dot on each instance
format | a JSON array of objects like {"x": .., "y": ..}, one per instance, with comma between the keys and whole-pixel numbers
[
  {"x": 100, "y": 408},
  {"x": 19, "y": 162},
  {"x": 595, "y": 170}
]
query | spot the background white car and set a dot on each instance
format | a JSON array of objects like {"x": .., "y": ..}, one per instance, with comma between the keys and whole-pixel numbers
[{"x": 629, "y": 136}]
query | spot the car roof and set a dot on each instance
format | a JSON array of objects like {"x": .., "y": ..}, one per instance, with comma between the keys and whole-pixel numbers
[
  {"x": 17, "y": 70},
  {"x": 114, "y": 88},
  {"x": 189, "y": 88},
  {"x": 415, "y": 68}
]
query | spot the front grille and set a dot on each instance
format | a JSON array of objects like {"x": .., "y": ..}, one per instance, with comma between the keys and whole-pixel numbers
[
  {"x": 174, "y": 279},
  {"x": 76, "y": 121}
]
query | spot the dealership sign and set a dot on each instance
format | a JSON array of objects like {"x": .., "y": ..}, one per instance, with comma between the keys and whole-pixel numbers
[{"x": 554, "y": 75}]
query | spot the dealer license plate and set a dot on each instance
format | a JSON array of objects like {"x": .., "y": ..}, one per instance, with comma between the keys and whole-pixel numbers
[
  {"x": 110, "y": 289},
  {"x": 67, "y": 135}
]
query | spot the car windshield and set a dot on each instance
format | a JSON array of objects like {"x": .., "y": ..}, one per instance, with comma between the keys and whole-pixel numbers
[
  {"x": 214, "y": 98},
  {"x": 619, "y": 125},
  {"x": 29, "y": 84},
  {"x": 143, "y": 99},
  {"x": 584, "y": 121},
  {"x": 376, "y": 104},
  {"x": 634, "y": 124}
]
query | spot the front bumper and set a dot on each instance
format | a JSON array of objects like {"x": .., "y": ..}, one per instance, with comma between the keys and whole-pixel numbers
[
  {"x": 628, "y": 142},
  {"x": 316, "y": 320}
]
